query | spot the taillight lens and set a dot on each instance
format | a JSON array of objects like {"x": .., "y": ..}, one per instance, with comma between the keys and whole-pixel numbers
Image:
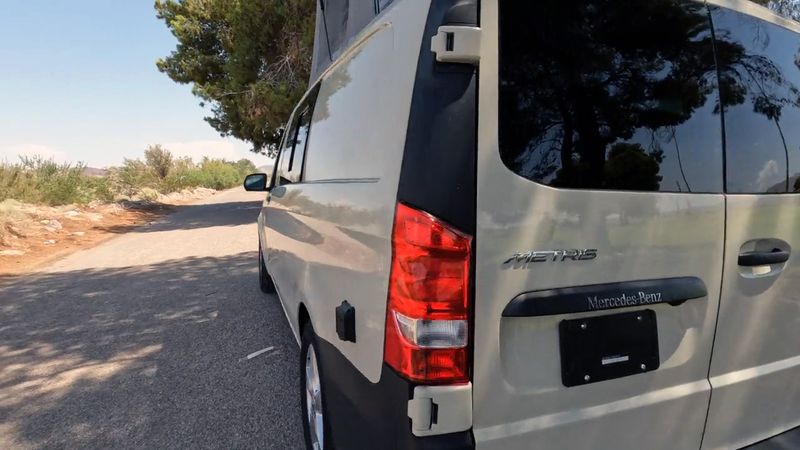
[{"x": 428, "y": 312}]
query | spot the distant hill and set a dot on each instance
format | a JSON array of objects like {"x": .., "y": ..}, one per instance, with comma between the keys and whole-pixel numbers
[{"x": 94, "y": 172}]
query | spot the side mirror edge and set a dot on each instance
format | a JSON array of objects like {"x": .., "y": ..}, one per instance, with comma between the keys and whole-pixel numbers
[{"x": 258, "y": 182}]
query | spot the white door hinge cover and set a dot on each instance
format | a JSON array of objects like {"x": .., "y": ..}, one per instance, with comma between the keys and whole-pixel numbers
[
  {"x": 440, "y": 409},
  {"x": 420, "y": 411},
  {"x": 457, "y": 44}
]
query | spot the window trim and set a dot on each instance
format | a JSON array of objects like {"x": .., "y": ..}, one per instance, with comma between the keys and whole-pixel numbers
[
  {"x": 306, "y": 106},
  {"x": 300, "y": 118},
  {"x": 291, "y": 135},
  {"x": 294, "y": 142}
]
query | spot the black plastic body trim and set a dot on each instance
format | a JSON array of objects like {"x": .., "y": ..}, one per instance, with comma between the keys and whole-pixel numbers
[
  {"x": 370, "y": 415},
  {"x": 438, "y": 173},
  {"x": 346, "y": 322},
  {"x": 784, "y": 441},
  {"x": 600, "y": 297}
]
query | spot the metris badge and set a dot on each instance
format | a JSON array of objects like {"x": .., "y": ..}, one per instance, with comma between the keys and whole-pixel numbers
[{"x": 583, "y": 254}]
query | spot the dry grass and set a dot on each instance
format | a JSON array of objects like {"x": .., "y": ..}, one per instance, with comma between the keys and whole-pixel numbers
[{"x": 41, "y": 181}]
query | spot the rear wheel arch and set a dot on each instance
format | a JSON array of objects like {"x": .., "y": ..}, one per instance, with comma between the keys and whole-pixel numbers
[
  {"x": 308, "y": 344},
  {"x": 303, "y": 318}
]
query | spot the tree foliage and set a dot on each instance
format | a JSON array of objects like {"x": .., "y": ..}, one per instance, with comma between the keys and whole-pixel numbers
[{"x": 249, "y": 60}]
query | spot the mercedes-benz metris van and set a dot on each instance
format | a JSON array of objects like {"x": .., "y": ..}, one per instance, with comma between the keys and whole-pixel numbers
[{"x": 542, "y": 224}]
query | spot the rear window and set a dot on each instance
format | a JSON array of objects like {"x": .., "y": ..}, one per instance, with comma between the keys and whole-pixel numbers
[
  {"x": 760, "y": 80},
  {"x": 610, "y": 95}
]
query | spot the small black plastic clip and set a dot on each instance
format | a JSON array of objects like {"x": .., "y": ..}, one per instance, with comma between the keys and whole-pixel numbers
[{"x": 346, "y": 322}]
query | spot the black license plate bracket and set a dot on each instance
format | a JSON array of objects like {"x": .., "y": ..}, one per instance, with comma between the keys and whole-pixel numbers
[{"x": 602, "y": 348}]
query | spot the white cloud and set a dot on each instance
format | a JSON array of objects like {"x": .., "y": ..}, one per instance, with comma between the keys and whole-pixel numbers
[
  {"x": 11, "y": 153},
  {"x": 767, "y": 175}
]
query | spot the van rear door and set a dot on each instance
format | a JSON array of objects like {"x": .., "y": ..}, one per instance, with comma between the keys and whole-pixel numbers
[
  {"x": 600, "y": 224},
  {"x": 755, "y": 367}
]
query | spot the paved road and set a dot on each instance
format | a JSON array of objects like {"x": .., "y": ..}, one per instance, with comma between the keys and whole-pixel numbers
[{"x": 142, "y": 342}]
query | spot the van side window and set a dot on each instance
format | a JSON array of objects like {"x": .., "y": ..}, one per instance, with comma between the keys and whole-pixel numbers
[
  {"x": 613, "y": 95},
  {"x": 292, "y": 158},
  {"x": 380, "y": 5},
  {"x": 285, "y": 157},
  {"x": 297, "y": 156},
  {"x": 335, "y": 14},
  {"x": 760, "y": 82}
]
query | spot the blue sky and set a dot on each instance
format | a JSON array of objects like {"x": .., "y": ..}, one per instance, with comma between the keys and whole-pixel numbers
[{"x": 78, "y": 82}]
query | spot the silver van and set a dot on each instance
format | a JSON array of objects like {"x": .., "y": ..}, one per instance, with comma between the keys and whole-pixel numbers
[{"x": 545, "y": 224}]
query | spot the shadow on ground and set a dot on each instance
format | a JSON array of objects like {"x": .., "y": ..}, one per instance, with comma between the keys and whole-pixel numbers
[
  {"x": 147, "y": 357},
  {"x": 190, "y": 217}
]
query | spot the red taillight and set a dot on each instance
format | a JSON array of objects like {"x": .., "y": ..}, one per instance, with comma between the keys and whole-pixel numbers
[{"x": 428, "y": 311}]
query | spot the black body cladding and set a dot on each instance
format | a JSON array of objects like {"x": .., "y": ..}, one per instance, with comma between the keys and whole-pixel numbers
[
  {"x": 366, "y": 415},
  {"x": 783, "y": 441},
  {"x": 346, "y": 322},
  {"x": 438, "y": 172},
  {"x": 438, "y": 176}
]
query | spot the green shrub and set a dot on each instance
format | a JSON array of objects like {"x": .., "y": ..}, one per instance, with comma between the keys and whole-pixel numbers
[
  {"x": 39, "y": 180},
  {"x": 218, "y": 174},
  {"x": 245, "y": 167},
  {"x": 61, "y": 184},
  {"x": 132, "y": 176},
  {"x": 17, "y": 183},
  {"x": 102, "y": 189},
  {"x": 180, "y": 176},
  {"x": 159, "y": 160}
]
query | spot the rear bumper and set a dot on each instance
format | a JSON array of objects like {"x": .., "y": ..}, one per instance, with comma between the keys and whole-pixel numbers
[{"x": 374, "y": 415}]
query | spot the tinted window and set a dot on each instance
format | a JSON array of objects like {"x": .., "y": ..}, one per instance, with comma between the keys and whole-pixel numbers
[
  {"x": 760, "y": 82},
  {"x": 294, "y": 149},
  {"x": 336, "y": 13},
  {"x": 292, "y": 158},
  {"x": 610, "y": 95},
  {"x": 380, "y": 5},
  {"x": 285, "y": 158},
  {"x": 300, "y": 142}
]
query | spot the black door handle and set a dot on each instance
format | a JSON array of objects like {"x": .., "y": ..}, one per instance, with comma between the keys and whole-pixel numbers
[{"x": 775, "y": 256}]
